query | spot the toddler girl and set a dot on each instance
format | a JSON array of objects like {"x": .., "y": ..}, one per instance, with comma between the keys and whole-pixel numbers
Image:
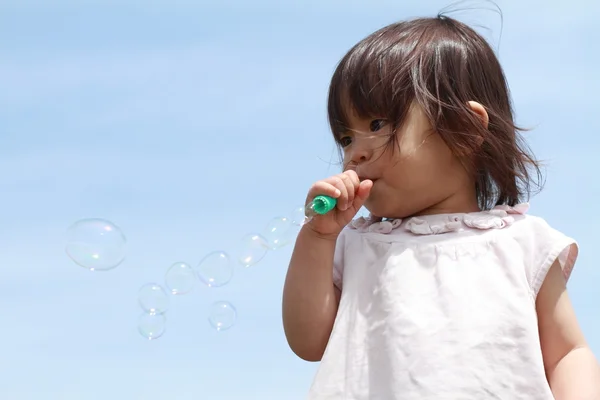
[{"x": 449, "y": 290}]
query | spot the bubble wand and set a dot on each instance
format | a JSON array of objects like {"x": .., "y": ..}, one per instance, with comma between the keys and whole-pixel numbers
[{"x": 319, "y": 205}]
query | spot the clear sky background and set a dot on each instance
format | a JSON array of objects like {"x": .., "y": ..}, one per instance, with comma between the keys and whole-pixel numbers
[{"x": 192, "y": 123}]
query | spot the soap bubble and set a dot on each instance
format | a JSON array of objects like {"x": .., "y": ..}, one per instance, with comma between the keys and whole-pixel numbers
[
  {"x": 253, "y": 248},
  {"x": 362, "y": 212},
  {"x": 95, "y": 244},
  {"x": 278, "y": 232},
  {"x": 153, "y": 299},
  {"x": 222, "y": 315},
  {"x": 298, "y": 215},
  {"x": 180, "y": 278},
  {"x": 215, "y": 269},
  {"x": 152, "y": 326}
]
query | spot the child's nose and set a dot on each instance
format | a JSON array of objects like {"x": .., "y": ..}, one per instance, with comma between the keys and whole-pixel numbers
[{"x": 360, "y": 155}]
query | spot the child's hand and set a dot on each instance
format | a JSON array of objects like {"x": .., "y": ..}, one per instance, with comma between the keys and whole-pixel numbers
[{"x": 350, "y": 194}]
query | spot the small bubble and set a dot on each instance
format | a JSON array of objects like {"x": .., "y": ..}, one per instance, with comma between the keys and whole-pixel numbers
[
  {"x": 253, "y": 248},
  {"x": 222, "y": 315},
  {"x": 215, "y": 269},
  {"x": 362, "y": 212},
  {"x": 298, "y": 216},
  {"x": 153, "y": 299},
  {"x": 278, "y": 232},
  {"x": 180, "y": 278},
  {"x": 152, "y": 326}
]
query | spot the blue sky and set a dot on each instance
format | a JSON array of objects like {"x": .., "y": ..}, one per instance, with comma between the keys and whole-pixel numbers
[{"x": 191, "y": 124}]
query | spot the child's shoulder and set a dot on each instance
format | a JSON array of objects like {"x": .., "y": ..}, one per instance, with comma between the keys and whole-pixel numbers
[
  {"x": 543, "y": 245},
  {"x": 534, "y": 229}
]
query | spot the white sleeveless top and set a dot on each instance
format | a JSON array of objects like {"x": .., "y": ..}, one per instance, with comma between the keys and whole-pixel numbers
[{"x": 441, "y": 307}]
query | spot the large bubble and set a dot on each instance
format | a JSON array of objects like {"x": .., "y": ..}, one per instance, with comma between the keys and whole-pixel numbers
[{"x": 95, "y": 244}]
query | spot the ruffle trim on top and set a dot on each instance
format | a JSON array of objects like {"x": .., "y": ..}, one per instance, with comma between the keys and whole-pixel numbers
[{"x": 497, "y": 218}]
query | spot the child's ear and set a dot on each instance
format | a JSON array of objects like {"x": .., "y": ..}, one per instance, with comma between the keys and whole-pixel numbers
[{"x": 480, "y": 111}]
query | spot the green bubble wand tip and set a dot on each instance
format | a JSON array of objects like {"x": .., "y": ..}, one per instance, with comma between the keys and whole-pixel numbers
[{"x": 320, "y": 205}]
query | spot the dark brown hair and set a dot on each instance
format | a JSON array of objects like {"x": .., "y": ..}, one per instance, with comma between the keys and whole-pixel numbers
[{"x": 440, "y": 64}]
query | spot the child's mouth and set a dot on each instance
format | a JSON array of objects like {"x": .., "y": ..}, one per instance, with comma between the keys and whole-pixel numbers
[{"x": 367, "y": 179}]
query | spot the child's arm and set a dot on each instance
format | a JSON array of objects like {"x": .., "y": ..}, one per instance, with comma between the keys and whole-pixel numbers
[
  {"x": 310, "y": 299},
  {"x": 571, "y": 368}
]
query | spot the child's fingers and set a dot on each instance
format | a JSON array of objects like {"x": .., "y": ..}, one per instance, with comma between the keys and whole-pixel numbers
[
  {"x": 339, "y": 183},
  {"x": 353, "y": 177},
  {"x": 323, "y": 188},
  {"x": 354, "y": 181},
  {"x": 364, "y": 189},
  {"x": 342, "y": 187},
  {"x": 350, "y": 190}
]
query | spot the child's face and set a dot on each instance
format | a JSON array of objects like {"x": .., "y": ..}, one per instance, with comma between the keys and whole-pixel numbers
[{"x": 418, "y": 175}]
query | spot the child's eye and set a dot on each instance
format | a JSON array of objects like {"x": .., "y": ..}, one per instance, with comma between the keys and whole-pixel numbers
[
  {"x": 376, "y": 125},
  {"x": 345, "y": 141}
]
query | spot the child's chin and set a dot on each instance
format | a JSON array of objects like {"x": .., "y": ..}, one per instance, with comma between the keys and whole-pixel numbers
[
  {"x": 384, "y": 210},
  {"x": 376, "y": 210}
]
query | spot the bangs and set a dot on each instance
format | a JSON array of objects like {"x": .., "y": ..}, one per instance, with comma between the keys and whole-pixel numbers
[{"x": 373, "y": 81}]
